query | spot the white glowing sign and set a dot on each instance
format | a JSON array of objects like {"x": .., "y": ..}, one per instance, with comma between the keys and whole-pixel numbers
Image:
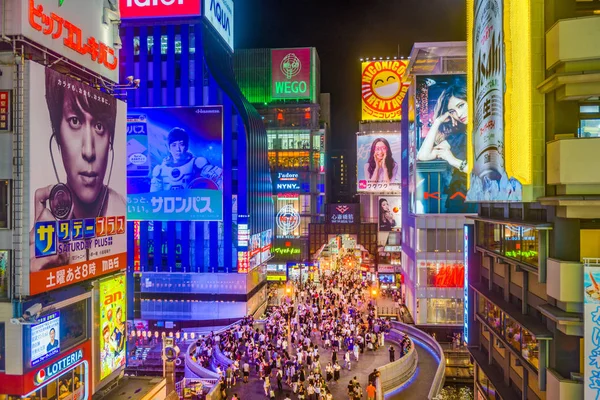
[{"x": 288, "y": 219}]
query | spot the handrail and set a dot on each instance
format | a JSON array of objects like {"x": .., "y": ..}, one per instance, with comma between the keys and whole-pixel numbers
[
  {"x": 395, "y": 374},
  {"x": 440, "y": 374}
]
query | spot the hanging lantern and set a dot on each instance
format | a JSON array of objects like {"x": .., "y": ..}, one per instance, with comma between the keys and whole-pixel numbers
[{"x": 279, "y": 116}]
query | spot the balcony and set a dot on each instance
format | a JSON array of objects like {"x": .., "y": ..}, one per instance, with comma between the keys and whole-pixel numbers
[
  {"x": 572, "y": 51},
  {"x": 563, "y": 276},
  {"x": 559, "y": 388},
  {"x": 572, "y": 165}
]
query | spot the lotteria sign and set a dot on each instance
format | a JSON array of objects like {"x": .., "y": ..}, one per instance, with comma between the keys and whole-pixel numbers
[
  {"x": 57, "y": 367},
  {"x": 159, "y": 8},
  {"x": 291, "y": 73},
  {"x": 219, "y": 14}
]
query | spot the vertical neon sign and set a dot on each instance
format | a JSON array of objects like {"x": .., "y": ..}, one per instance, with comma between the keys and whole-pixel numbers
[{"x": 466, "y": 289}]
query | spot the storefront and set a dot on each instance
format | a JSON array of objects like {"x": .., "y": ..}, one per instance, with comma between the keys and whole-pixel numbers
[
  {"x": 440, "y": 292},
  {"x": 65, "y": 378}
]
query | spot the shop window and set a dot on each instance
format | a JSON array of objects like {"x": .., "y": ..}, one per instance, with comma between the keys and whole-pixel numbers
[
  {"x": 513, "y": 333},
  {"x": 444, "y": 311},
  {"x": 4, "y": 204},
  {"x": 73, "y": 324},
  {"x": 530, "y": 348}
]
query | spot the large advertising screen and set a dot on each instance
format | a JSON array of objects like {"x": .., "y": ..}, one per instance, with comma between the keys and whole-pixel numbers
[
  {"x": 441, "y": 145},
  {"x": 44, "y": 338},
  {"x": 382, "y": 90},
  {"x": 591, "y": 323},
  {"x": 112, "y": 324},
  {"x": 291, "y": 73},
  {"x": 77, "y": 188},
  {"x": 489, "y": 180},
  {"x": 378, "y": 162},
  {"x": 174, "y": 163},
  {"x": 389, "y": 213}
]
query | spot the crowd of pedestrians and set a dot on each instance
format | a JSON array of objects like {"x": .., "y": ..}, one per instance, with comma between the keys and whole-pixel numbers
[{"x": 286, "y": 352}]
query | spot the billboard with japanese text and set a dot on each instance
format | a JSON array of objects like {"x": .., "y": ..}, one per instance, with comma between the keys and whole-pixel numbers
[
  {"x": 174, "y": 163},
  {"x": 378, "y": 162},
  {"x": 77, "y": 193},
  {"x": 382, "y": 89},
  {"x": 291, "y": 73},
  {"x": 81, "y": 31},
  {"x": 113, "y": 334},
  {"x": 441, "y": 145},
  {"x": 591, "y": 323},
  {"x": 389, "y": 213}
]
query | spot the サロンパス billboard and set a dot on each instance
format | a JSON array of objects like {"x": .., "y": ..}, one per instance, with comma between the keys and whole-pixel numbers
[
  {"x": 390, "y": 213},
  {"x": 77, "y": 193},
  {"x": 378, "y": 162},
  {"x": 183, "y": 179},
  {"x": 291, "y": 73},
  {"x": 442, "y": 117},
  {"x": 382, "y": 89},
  {"x": 113, "y": 334}
]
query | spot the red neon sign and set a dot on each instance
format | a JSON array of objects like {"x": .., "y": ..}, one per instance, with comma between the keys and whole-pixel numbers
[
  {"x": 56, "y": 27},
  {"x": 159, "y": 8}
]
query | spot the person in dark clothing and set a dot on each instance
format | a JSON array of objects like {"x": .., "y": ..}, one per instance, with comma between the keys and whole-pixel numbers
[{"x": 392, "y": 354}]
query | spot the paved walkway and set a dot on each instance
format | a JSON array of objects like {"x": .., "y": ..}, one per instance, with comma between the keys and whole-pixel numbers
[{"x": 419, "y": 386}]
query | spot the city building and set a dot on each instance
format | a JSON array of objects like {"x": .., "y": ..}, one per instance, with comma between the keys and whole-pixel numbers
[
  {"x": 532, "y": 306},
  {"x": 340, "y": 182},
  {"x": 378, "y": 163},
  {"x": 193, "y": 263},
  {"x": 63, "y": 244},
  {"x": 433, "y": 206},
  {"x": 284, "y": 86}
]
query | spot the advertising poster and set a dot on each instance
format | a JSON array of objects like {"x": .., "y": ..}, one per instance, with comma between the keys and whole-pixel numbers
[
  {"x": 382, "y": 90},
  {"x": 77, "y": 193},
  {"x": 489, "y": 180},
  {"x": 591, "y": 323},
  {"x": 442, "y": 117},
  {"x": 266, "y": 240},
  {"x": 343, "y": 213},
  {"x": 390, "y": 213},
  {"x": 175, "y": 167},
  {"x": 378, "y": 162},
  {"x": 291, "y": 73},
  {"x": 45, "y": 338},
  {"x": 112, "y": 324}
]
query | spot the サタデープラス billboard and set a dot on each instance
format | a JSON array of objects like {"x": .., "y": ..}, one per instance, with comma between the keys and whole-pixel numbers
[
  {"x": 441, "y": 141},
  {"x": 77, "y": 188},
  {"x": 291, "y": 73},
  {"x": 113, "y": 314},
  {"x": 378, "y": 162},
  {"x": 389, "y": 213},
  {"x": 489, "y": 180},
  {"x": 382, "y": 89},
  {"x": 174, "y": 163}
]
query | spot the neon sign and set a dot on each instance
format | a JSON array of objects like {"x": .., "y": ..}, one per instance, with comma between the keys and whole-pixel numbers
[
  {"x": 57, "y": 367},
  {"x": 288, "y": 251},
  {"x": 288, "y": 219},
  {"x": 466, "y": 288},
  {"x": 290, "y": 70},
  {"x": 521, "y": 253}
]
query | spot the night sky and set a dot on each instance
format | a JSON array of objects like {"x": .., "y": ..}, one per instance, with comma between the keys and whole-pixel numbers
[{"x": 343, "y": 31}]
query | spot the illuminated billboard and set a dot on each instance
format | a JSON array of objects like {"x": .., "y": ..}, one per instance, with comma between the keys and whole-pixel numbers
[
  {"x": 291, "y": 73},
  {"x": 382, "y": 89},
  {"x": 441, "y": 144},
  {"x": 389, "y": 213},
  {"x": 133, "y": 9},
  {"x": 175, "y": 167},
  {"x": 45, "y": 338},
  {"x": 503, "y": 134},
  {"x": 591, "y": 323},
  {"x": 343, "y": 213},
  {"x": 78, "y": 207},
  {"x": 378, "y": 162},
  {"x": 113, "y": 334},
  {"x": 219, "y": 14}
]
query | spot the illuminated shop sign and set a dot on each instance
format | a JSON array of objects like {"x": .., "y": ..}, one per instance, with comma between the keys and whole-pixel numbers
[
  {"x": 466, "y": 287},
  {"x": 5, "y": 108},
  {"x": 243, "y": 262},
  {"x": 288, "y": 219},
  {"x": 382, "y": 89},
  {"x": 288, "y": 251},
  {"x": 343, "y": 213},
  {"x": 243, "y": 233},
  {"x": 288, "y": 196},
  {"x": 290, "y": 72},
  {"x": 219, "y": 14},
  {"x": 287, "y": 187},
  {"x": 57, "y": 367},
  {"x": 159, "y": 8},
  {"x": 521, "y": 253},
  {"x": 288, "y": 176},
  {"x": 287, "y": 182}
]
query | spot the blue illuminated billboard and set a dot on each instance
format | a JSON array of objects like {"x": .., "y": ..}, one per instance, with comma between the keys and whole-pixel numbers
[{"x": 174, "y": 164}]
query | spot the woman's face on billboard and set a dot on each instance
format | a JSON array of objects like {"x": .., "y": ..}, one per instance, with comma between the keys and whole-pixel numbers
[
  {"x": 385, "y": 206},
  {"x": 458, "y": 110},
  {"x": 380, "y": 151},
  {"x": 84, "y": 144}
]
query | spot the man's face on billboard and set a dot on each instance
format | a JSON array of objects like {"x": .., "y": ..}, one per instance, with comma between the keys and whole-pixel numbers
[
  {"x": 177, "y": 149},
  {"x": 84, "y": 144}
]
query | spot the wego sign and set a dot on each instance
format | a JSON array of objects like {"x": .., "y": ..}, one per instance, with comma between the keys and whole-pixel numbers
[
  {"x": 382, "y": 89},
  {"x": 291, "y": 72},
  {"x": 158, "y": 8}
]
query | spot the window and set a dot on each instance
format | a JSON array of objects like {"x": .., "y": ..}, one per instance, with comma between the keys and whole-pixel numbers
[
  {"x": 2, "y": 348},
  {"x": 589, "y": 121},
  {"x": 513, "y": 333},
  {"x": 530, "y": 349},
  {"x": 495, "y": 318},
  {"x": 4, "y": 203},
  {"x": 73, "y": 324},
  {"x": 445, "y": 311}
]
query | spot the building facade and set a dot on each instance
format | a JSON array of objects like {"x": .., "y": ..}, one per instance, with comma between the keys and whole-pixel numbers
[
  {"x": 202, "y": 270},
  {"x": 284, "y": 86},
  {"x": 433, "y": 206},
  {"x": 341, "y": 185},
  {"x": 531, "y": 325}
]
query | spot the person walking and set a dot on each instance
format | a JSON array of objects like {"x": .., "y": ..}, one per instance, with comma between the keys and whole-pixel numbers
[
  {"x": 392, "y": 353},
  {"x": 371, "y": 391}
]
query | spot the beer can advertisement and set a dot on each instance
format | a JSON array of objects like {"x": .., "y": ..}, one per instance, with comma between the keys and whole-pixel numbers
[
  {"x": 442, "y": 117},
  {"x": 390, "y": 213},
  {"x": 489, "y": 180},
  {"x": 77, "y": 191},
  {"x": 174, "y": 163},
  {"x": 291, "y": 73},
  {"x": 382, "y": 90},
  {"x": 378, "y": 162},
  {"x": 113, "y": 334}
]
